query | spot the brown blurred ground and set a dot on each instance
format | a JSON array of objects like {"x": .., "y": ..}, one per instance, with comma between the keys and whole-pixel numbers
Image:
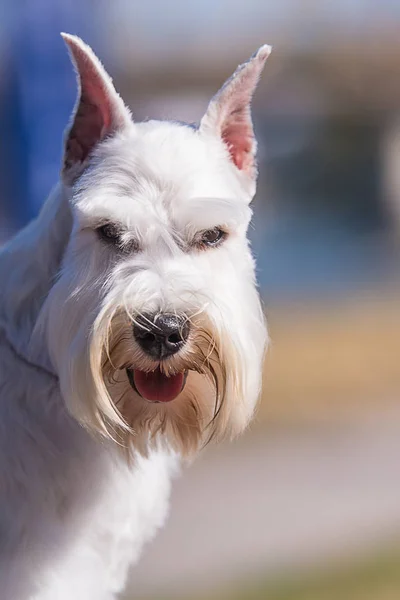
[{"x": 331, "y": 360}]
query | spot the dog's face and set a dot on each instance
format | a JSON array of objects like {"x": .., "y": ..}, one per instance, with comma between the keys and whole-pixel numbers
[{"x": 156, "y": 329}]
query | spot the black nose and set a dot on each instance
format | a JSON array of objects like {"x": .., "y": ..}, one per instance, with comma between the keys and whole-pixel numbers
[{"x": 161, "y": 335}]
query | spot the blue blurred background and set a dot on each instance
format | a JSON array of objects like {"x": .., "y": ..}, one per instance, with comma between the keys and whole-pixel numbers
[{"x": 307, "y": 505}]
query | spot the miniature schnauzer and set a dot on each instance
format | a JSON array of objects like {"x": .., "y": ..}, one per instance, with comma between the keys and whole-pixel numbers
[{"x": 131, "y": 333}]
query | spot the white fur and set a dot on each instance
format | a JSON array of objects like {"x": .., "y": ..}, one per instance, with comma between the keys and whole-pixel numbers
[{"x": 84, "y": 480}]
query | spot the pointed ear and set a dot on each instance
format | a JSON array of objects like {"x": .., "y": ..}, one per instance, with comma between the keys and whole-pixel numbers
[
  {"x": 229, "y": 115},
  {"x": 99, "y": 111}
]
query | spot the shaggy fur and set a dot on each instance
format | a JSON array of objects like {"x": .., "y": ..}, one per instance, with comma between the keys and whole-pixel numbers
[{"x": 85, "y": 461}]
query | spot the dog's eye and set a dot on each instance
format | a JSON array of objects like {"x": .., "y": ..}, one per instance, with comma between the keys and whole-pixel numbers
[
  {"x": 212, "y": 237},
  {"x": 113, "y": 235},
  {"x": 109, "y": 233}
]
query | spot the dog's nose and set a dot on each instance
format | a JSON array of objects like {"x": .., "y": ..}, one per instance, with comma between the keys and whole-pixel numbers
[{"x": 161, "y": 335}]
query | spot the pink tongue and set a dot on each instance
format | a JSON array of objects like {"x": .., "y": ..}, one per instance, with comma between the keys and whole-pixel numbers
[{"x": 157, "y": 387}]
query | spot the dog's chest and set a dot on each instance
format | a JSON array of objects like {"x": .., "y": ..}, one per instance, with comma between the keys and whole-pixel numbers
[
  {"x": 73, "y": 501},
  {"x": 126, "y": 510},
  {"x": 132, "y": 506}
]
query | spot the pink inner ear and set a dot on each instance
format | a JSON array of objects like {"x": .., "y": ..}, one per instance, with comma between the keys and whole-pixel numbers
[
  {"x": 240, "y": 146},
  {"x": 237, "y": 133},
  {"x": 94, "y": 93},
  {"x": 229, "y": 112},
  {"x": 92, "y": 118},
  {"x": 94, "y": 113}
]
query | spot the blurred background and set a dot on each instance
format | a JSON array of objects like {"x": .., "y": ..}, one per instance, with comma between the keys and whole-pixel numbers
[{"x": 306, "y": 505}]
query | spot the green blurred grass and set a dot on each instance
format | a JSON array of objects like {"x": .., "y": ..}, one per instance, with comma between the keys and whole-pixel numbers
[{"x": 377, "y": 578}]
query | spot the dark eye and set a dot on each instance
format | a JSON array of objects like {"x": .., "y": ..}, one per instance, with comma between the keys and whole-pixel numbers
[
  {"x": 109, "y": 233},
  {"x": 212, "y": 237},
  {"x": 113, "y": 235}
]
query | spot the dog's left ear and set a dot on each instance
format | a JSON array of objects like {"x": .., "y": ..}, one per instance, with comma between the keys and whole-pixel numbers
[
  {"x": 99, "y": 110},
  {"x": 229, "y": 112}
]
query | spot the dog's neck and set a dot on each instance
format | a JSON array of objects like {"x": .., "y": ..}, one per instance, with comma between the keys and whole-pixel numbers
[{"x": 28, "y": 265}]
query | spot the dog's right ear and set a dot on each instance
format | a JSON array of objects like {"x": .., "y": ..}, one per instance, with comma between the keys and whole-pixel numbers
[{"x": 99, "y": 110}]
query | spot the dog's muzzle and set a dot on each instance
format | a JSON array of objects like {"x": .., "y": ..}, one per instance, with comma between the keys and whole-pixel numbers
[{"x": 161, "y": 335}]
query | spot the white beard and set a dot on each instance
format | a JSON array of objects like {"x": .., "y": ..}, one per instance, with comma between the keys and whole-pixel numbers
[{"x": 85, "y": 459}]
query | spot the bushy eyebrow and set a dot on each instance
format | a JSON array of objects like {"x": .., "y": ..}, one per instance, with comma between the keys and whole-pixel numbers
[
  {"x": 89, "y": 222},
  {"x": 198, "y": 214},
  {"x": 120, "y": 215},
  {"x": 186, "y": 219}
]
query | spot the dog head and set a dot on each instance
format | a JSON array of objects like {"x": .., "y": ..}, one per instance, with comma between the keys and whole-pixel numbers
[{"x": 154, "y": 325}]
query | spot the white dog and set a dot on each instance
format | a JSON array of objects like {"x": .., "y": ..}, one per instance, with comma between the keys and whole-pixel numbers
[{"x": 131, "y": 333}]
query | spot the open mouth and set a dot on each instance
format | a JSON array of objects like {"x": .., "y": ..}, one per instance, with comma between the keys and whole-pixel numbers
[{"x": 155, "y": 386}]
